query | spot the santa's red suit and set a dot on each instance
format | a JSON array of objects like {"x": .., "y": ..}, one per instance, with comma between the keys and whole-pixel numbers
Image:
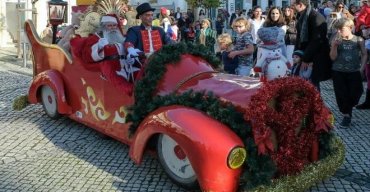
[
  {"x": 107, "y": 56},
  {"x": 97, "y": 51}
]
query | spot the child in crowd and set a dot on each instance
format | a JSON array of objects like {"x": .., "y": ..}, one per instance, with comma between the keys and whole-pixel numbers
[
  {"x": 349, "y": 59},
  {"x": 225, "y": 44},
  {"x": 190, "y": 33},
  {"x": 174, "y": 30},
  {"x": 243, "y": 46},
  {"x": 298, "y": 69}
]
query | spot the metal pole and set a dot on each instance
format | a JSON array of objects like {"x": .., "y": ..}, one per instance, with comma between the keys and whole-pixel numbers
[
  {"x": 55, "y": 27},
  {"x": 19, "y": 30},
  {"x": 24, "y": 54}
]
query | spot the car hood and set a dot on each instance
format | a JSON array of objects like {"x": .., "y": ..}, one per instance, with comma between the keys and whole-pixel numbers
[{"x": 235, "y": 89}]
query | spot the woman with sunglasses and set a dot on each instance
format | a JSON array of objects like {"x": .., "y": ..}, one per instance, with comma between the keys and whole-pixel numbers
[{"x": 340, "y": 8}]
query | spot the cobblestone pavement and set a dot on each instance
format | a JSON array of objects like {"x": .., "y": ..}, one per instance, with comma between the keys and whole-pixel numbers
[{"x": 40, "y": 154}]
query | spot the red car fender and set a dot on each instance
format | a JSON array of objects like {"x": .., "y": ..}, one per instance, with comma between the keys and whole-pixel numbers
[
  {"x": 205, "y": 141},
  {"x": 54, "y": 80}
]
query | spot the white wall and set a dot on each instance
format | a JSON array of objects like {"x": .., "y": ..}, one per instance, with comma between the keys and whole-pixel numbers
[
  {"x": 231, "y": 6},
  {"x": 264, "y": 4},
  {"x": 247, "y": 5}
]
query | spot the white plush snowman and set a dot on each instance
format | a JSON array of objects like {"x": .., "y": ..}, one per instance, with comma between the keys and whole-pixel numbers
[
  {"x": 276, "y": 69},
  {"x": 271, "y": 63}
]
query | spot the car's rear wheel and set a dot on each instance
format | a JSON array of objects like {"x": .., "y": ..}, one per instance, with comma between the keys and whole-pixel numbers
[
  {"x": 175, "y": 162},
  {"x": 49, "y": 102}
]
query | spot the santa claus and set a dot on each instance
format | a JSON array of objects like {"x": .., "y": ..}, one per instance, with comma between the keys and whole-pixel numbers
[{"x": 105, "y": 47}]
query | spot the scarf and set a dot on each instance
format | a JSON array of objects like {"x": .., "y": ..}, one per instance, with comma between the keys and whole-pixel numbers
[
  {"x": 202, "y": 37},
  {"x": 303, "y": 25}
]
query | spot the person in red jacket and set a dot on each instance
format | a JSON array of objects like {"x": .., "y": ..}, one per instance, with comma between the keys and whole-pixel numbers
[{"x": 363, "y": 19}]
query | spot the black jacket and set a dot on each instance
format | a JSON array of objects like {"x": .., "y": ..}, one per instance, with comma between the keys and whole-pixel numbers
[{"x": 316, "y": 49}]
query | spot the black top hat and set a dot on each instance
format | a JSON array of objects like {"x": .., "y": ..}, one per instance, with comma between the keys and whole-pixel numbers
[{"x": 142, "y": 8}]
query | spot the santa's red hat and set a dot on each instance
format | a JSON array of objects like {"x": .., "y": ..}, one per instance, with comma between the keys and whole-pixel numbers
[{"x": 112, "y": 18}]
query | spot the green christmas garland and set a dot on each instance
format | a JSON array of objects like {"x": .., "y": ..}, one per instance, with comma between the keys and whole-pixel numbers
[
  {"x": 311, "y": 174},
  {"x": 154, "y": 71},
  {"x": 259, "y": 169}
]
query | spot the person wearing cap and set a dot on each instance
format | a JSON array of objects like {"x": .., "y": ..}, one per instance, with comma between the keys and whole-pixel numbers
[
  {"x": 105, "y": 47},
  {"x": 145, "y": 38},
  {"x": 298, "y": 69}
]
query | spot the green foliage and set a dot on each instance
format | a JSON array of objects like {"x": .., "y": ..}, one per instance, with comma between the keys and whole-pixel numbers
[
  {"x": 324, "y": 140},
  {"x": 20, "y": 102},
  {"x": 211, "y": 3},
  {"x": 193, "y": 3},
  {"x": 259, "y": 170},
  {"x": 204, "y": 3},
  {"x": 311, "y": 174},
  {"x": 154, "y": 71}
]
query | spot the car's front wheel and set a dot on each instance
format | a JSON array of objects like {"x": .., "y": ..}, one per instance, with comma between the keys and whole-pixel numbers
[
  {"x": 175, "y": 162},
  {"x": 49, "y": 102}
]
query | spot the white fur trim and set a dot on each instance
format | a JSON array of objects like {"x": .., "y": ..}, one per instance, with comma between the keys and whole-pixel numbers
[
  {"x": 108, "y": 19},
  {"x": 96, "y": 54}
]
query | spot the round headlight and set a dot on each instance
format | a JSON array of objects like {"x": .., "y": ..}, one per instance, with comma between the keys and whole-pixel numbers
[{"x": 236, "y": 157}]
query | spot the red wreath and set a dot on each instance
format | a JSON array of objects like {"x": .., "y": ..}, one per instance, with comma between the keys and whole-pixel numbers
[{"x": 291, "y": 111}]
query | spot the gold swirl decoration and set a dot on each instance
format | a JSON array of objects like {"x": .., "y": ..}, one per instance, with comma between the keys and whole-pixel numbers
[
  {"x": 96, "y": 106},
  {"x": 83, "y": 100},
  {"x": 120, "y": 115}
]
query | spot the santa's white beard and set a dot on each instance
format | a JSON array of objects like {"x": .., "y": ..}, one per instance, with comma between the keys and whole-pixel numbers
[{"x": 113, "y": 36}]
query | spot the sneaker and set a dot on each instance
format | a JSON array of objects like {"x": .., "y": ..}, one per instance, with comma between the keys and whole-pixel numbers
[{"x": 345, "y": 122}]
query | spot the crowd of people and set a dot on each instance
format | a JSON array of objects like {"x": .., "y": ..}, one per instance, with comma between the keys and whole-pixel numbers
[
  {"x": 319, "y": 43},
  {"x": 326, "y": 42}
]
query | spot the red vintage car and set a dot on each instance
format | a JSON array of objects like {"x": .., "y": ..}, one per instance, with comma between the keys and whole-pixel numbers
[{"x": 198, "y": 140}]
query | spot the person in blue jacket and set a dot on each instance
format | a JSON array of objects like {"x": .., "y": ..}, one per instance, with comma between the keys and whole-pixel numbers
[{"x": 145, "y": 38}]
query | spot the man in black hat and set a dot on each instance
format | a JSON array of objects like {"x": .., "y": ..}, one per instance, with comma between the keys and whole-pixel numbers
[{"x": 145, "y": 38}]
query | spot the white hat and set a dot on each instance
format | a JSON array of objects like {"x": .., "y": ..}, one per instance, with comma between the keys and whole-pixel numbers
[{"x": 108, "y": 19}]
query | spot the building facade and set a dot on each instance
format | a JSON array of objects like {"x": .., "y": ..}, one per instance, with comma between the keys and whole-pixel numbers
[{"x": 13, "y": 14}]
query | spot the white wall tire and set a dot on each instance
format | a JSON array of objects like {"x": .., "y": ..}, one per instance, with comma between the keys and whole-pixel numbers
[
  {"x": 49, "y": 102},
  {"x": 175, "y": 163}
]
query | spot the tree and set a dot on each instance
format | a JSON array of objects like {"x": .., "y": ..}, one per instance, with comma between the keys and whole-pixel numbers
[{"x": 204, "y": 3}]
